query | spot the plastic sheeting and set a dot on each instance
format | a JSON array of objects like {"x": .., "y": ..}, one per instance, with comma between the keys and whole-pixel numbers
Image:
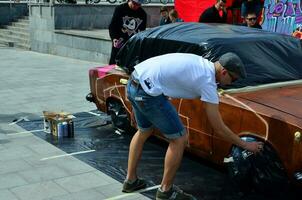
[
  {"x": 263, "y": 172},
  {"x": 111, "y": 156},
  {"x": 268, "y": 57},
  {"x": 195, "y": 175}
]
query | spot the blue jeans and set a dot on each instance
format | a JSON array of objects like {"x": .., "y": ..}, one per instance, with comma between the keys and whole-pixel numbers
[{"x": 154, "y": 111}]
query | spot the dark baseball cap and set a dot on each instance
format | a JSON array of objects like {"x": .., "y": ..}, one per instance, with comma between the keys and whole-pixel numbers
[{"x": 231, "y": 62}]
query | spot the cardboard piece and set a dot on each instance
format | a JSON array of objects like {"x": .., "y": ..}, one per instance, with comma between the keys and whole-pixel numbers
[{"x": 59, "y": 124}]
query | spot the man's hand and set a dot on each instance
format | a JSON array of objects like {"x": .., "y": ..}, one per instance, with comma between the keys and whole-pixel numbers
[
  {"x": 117, "y": 43},
  {"x": 254, "y": 147},
  {"x": 220, "y": 128}
]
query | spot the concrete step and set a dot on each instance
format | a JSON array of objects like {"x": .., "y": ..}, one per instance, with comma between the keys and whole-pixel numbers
[
  {"x": 11, "y": 43},
  {"x": 14, "y": 38},
  {"x": 22, "y": 46},
  {"x": 24, "y": 21},
  {"x": 20, "y": 24},
  {"x": 14, "y": 32},
  {"x": 5, "y": 31},
  {"x": 20, "y": 29},
  {"x": 7, "y": 42}
]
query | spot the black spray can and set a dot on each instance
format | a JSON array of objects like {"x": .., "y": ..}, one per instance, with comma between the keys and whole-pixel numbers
[{"x": 70, "y": 129}]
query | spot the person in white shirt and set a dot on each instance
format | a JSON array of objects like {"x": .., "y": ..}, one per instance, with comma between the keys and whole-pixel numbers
[{"x": 177, "y": 75}]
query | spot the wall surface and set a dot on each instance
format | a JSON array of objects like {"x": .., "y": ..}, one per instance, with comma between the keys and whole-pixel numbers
[
  {"x": 11, "y": 12},
  {"x": 49, "y": 27},
  {"x": 283, "y": 16},
  {"x": 41, "y": 28},
  {"x": 45, "y": 20},
  {"x": 95, "y": 16}
]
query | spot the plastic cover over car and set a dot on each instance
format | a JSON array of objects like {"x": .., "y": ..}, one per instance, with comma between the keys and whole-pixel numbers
[{"x": 268, "y": 57}]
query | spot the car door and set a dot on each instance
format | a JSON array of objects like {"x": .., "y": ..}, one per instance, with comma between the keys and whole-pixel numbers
[{"x": 197, "y": 125}]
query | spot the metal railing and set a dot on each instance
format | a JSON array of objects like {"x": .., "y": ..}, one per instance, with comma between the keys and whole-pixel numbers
[{"x": 89, "y": 1}]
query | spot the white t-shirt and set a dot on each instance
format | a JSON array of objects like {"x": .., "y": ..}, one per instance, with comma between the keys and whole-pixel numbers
[{"x": 178, "y": 75}]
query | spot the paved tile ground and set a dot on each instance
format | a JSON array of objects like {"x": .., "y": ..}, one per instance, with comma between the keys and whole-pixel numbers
[{"x": 30, "y": 83}]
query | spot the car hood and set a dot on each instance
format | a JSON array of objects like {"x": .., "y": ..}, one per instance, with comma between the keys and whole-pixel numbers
[{"x": 284, "y": 99}]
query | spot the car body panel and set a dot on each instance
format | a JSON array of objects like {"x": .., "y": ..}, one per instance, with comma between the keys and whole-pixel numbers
[
  {"x": 244, "y": 113},
  {"x": 286, "y": 99},
  {"x": 267, "y": 104}
]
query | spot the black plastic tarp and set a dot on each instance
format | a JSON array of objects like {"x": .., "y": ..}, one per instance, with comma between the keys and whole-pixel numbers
[
  {"x": 92, "y": 132},
  {"x": 268, "y": 57}
]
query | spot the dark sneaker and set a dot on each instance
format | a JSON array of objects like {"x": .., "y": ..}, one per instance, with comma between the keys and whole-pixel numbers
[
  {"x": 174, "y": 194},
  {"x": 136, "y": 185}
]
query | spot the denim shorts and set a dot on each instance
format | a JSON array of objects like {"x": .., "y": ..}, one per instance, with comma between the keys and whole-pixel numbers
[{"x": 154, "y": 111}]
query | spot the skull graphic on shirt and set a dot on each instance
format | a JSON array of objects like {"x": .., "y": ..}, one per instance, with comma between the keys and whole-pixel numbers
[{"x": 130, "y": 25}]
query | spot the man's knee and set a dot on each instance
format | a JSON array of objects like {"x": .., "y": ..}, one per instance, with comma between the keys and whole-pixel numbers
[
  {"x": 145, "y": 133},
  {"x": 183, "y": 140}
]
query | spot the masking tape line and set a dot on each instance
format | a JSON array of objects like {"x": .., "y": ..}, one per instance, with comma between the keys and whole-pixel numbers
[
  {"x": 94, "y": 113},
  {"x": 68, "y": 154},
  {"x": 23, "y": 132},
  {"x": 246, "y": 106},
  {"x": 134, "y": 193}
]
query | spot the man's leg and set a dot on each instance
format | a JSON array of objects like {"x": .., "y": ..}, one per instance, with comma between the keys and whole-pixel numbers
[
  {"x": 135, "y": 152},
  {"x": 173, "y": 159}
]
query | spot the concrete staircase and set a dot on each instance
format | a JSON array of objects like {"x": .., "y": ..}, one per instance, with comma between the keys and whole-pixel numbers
[{"x": 16, "y": 34}]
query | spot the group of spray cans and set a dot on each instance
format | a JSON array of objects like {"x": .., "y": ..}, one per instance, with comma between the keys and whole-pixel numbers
[
  {"x": 65, "y": 129},
  {"x": 59, "y": 125}
]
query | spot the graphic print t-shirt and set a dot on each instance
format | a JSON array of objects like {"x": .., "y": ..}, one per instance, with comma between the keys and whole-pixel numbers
[
  {"x": 127, "y": 22},
  {"x": 179, "y": 75}
]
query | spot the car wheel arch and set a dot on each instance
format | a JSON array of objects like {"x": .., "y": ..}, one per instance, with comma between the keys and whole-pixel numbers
[{"x": 264, "y": 172}]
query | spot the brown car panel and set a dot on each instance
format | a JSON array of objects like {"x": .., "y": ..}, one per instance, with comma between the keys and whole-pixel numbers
[{"x": 272, "y": 114}]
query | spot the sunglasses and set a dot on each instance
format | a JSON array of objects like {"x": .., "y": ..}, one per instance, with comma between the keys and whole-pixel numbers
[
  {"x": 233, "y": 78},
  {"x": 252, "y": 19}
]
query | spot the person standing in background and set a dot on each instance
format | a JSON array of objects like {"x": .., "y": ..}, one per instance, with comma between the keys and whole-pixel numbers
[
  {"x": 164, "y": 16},
  {"x": 251, "y": 20},
  {"x": 128, "y": 19},
  {"x": 250, "y": 5},
  {"x": 215, "y": 14},
  {"x": 173, "y": 15}
]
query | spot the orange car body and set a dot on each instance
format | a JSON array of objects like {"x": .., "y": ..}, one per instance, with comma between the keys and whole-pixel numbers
[{"x": 271, "y": 114}]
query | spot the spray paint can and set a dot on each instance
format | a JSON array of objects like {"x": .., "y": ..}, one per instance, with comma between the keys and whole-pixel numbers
[
  {"x": 70, "y": 129},
  {"x": 60, "y": 129},
  {"x": 65, "y": 129},
  {"x": 46, "y": 126}
]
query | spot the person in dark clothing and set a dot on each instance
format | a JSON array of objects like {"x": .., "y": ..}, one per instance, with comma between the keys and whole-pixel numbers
[
  {"x": 250, "y": 5},
  {"x": 128, "y": 19},
  {"x": 215, "y": 14},
  {"x": 251, "y": 20},
  {"x": 164, "y": 13}
]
